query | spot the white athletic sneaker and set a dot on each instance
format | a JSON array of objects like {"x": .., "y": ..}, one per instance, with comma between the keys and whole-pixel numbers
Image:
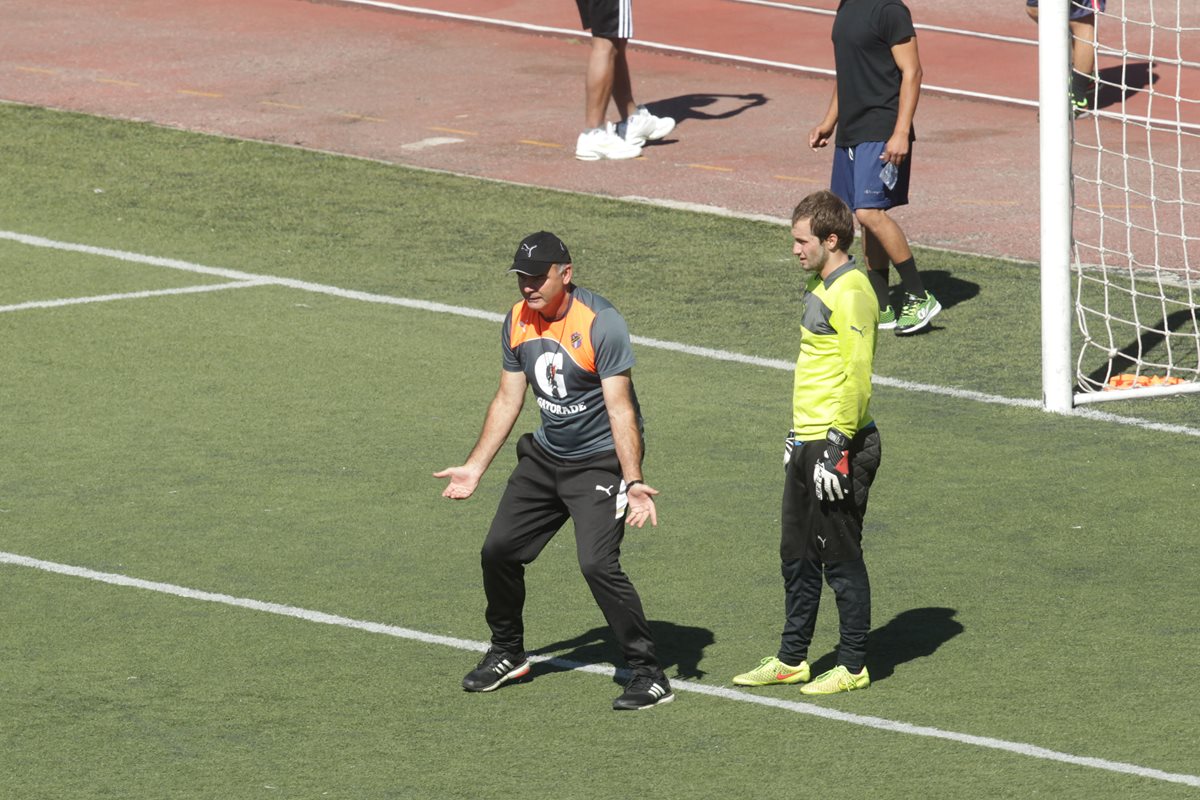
[
  {"x": 603, "y": 142},
  {"x": 642, "y": 126}
]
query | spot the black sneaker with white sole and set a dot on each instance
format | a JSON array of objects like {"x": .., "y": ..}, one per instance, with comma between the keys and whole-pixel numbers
[
  {"x": 496, "y": 668},
  {"x": 644, "y": 692}
]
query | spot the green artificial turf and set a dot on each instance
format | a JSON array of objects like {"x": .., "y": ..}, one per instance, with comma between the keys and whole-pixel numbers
[{"x": 1033, "y": 575}]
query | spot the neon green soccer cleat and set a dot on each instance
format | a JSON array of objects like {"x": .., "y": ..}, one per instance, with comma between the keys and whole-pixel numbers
[
  {"x": 887, "y": 319},
  {"x": 1079, "y": 104},
  {"x": 838, "y": 679},
  {"x": 771, "y": 671},
  {"x": 917, "y": 313}
]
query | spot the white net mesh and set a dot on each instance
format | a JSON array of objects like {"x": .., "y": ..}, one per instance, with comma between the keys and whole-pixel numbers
[{"x": 1136, "y": 166}]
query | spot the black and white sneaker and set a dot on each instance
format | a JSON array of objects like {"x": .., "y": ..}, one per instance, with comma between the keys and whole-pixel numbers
[
  {"x": 496, "y": 668},
  {"x": 644, "y": 692}
]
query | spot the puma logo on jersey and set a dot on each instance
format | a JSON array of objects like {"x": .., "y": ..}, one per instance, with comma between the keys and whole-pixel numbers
[
  {"x": 859, "y": 331},
  {"x": 821, "y": 539},
  {"x": 606, "y": 489}
]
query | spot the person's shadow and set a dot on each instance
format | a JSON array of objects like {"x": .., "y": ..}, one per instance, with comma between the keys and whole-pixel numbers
[
  {"x": 692, "y": 106},
  {"x": 678, "y": 646},
  {"x": 910, "y": 635},
  {"x": 1115, "y": 84}
]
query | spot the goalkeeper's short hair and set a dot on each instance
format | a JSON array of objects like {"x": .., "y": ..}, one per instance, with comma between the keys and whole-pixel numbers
[{"x": 827, "y": 214}]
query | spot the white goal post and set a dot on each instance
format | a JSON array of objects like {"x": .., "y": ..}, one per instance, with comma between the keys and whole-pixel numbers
[{"x": 1120, "y": 205}]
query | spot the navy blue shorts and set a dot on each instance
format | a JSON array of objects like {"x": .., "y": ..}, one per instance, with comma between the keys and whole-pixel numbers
[
  {"x": 1079, "y": 8},
  {"x": 856, "y": 178},
  {"x": 608, "y": 19}
]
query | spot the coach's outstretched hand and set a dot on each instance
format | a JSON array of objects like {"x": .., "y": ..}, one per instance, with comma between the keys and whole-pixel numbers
[
  {"x": 641, "y": 505},
  {"x": 831, "y": 476},
  {"x": 463, "y": 481}
]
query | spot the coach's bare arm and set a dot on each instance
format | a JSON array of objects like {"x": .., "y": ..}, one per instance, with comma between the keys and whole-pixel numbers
[
  {"x": 618, "y": 400},
  {"x": 502, "y": 414}
]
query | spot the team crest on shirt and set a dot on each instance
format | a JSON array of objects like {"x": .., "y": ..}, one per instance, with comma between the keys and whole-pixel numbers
[{"x": 576, "y": 340}]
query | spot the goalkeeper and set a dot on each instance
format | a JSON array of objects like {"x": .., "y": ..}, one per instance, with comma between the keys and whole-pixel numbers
[{"x": 831, "y": 457}]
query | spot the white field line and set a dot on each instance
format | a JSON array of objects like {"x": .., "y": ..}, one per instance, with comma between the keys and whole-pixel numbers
[
  {"x": 462, "y": 311},
  {"x": 878, "y": 723},
  {"x": 104, "y": 298}
]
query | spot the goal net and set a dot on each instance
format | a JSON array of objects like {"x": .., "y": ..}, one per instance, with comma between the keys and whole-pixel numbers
[{"x": 1134, "y": 198}]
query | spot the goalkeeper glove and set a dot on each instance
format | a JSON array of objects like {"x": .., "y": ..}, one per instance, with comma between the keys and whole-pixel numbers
[{"x": 831, "y": 476}]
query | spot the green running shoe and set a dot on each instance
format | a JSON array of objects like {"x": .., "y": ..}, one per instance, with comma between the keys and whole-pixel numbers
[
  {"x": 1079, "y": 106},
  {"x": 771, "y": 671},
  {"x": 887, "y": 319},
  {"x": 917, "y": 313},
  {"x": 838, "y": 679},
  {"x": 1082, "y": 92}
]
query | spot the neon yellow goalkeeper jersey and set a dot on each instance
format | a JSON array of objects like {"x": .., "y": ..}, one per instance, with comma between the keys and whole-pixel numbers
[{"x": 832, "y": 387}]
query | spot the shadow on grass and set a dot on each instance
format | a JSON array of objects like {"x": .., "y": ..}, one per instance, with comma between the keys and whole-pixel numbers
[
  {"x": 910, "y": 635},
  {"x": 680, "y": 648},
  {"x": 1129, "y": 357},
  {"x": 948, "y": 289}
]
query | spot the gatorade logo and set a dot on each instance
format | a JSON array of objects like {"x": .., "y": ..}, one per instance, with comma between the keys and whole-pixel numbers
[{"x": 548, "y": 370}]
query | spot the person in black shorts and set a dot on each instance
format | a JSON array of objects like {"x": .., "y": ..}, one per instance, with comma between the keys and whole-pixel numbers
[
  {"x": 1082, "y": 21},
  {"x": 874, "y": 100},
  {"x": 608, "y": 78},
  {"x": 572, "y": 348}
]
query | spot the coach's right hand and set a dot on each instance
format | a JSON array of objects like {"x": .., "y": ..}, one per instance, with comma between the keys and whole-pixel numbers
[
  {"x": 463, "y": 481},
  {"x": 640, "y": 499}
]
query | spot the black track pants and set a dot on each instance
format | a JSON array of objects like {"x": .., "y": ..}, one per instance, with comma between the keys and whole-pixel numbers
[{"x": 542, "y": 493}]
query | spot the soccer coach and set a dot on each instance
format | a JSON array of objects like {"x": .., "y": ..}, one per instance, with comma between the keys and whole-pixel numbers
[{"x": 572, "y": 348}]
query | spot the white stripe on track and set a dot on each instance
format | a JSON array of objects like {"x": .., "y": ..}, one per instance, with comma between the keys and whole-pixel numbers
[
  {"x": 1156, "y": 122},
  {"x": 670, "y": 48},
  {"x": 104, "y": 298},
  {"x": 878, "y": 723},
  {"x": 829, "y": 12},
  {"x": 660, "y": 344}
]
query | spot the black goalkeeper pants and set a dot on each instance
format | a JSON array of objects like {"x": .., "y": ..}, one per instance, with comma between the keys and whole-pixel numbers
[
  {"x": 802, "y": 598},
  {"x": 822, "y": 539},
  {"x": 542, "y": 493}
]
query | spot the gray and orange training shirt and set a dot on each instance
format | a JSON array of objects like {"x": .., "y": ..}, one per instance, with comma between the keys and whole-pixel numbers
[{"x": 564, "y": 362}]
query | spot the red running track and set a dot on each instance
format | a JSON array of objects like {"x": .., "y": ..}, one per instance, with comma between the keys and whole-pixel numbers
[{"x": 481, "y": 98}]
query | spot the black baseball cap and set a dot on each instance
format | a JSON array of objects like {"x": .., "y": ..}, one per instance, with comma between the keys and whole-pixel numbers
[{"x": 537, "y": 252}]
